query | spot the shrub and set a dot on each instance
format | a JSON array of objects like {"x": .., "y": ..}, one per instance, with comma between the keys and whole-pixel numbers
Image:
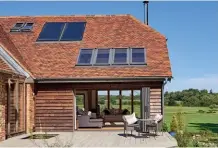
[
  {"x": 174, "y": 124},
  {"x": 201, "y": 111},
  {"x": 165, "y": 127},
  {"x": 211, "y": 111},
  {"x": 180, "y": 121},
  {"x": 183, "y": 139}
]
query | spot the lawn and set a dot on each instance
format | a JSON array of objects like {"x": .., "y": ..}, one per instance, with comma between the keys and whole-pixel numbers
[{"x": 194, "y": 121}]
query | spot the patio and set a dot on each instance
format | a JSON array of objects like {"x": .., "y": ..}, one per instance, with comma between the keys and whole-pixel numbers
[{"x": 93, "y": 139}]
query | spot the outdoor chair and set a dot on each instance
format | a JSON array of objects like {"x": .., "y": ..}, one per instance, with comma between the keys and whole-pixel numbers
[
  {"x": 153, "y": 123},
  {"x": 130, "y": 123}
]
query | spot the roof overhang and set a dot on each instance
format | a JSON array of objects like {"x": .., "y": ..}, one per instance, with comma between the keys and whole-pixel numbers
[
  {"x": 100, "y": 80},
  {"x": 13, "y": 64}
]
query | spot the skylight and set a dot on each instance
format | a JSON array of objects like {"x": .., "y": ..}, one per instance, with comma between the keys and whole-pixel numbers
[
  {"x": 103, "y": 56},
  {"x": 108, "y": 57},
  {"x": 120, "y": 56},
  {"x": 62, "y": 31},
  {"x": 138, "y": 55},
  {"x": 22, "y": 27},
  {"x": 85, "y": 57}
]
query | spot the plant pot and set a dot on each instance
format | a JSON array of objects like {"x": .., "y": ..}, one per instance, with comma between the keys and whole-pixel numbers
[{"x": 173, "y": 134}]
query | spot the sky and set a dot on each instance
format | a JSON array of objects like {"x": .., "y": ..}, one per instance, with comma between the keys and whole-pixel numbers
[{"x": 191, "y": 29}]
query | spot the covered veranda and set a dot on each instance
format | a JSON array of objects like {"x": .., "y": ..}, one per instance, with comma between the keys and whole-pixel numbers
[{"x": 111, "y": 100}]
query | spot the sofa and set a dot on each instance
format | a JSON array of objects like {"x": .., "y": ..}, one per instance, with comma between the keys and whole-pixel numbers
[
  {"x": 87, "y": 121},
  {"x": 114, "y": 115}
]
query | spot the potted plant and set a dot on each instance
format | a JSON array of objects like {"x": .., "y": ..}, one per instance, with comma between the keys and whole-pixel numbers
[{"x": 173, "y": 126}]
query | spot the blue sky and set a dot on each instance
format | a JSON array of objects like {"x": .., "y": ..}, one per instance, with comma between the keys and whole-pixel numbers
[{"x": 191, "y": 29}]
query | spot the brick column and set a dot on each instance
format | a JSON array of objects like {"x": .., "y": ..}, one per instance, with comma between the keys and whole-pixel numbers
[
  {"x": 3, "y": 97},
  {"x": 30, "y": 107}
]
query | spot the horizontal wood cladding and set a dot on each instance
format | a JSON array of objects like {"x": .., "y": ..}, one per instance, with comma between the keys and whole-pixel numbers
[
  {"x": 54, "y": 108},
  {"x": 155, "y": 101}
]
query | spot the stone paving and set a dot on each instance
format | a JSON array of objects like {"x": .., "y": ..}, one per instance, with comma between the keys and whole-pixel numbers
[{"x": 93, "y": 139}]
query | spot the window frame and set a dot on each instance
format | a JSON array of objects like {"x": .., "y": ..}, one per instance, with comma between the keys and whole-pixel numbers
[
  {"x": 91, "y": 60},
  {"x": 21, "y": 28},
  {"x": 96, "y": 55},
  {"x": 113, "y": 57},
  {"x": 137, "y": 63}
]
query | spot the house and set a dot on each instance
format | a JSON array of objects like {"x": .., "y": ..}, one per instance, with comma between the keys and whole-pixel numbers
[{"x": 46, "y": 61}]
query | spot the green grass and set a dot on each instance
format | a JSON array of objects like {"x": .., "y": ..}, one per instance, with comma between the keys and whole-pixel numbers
[{"x": 194, "y": 121}]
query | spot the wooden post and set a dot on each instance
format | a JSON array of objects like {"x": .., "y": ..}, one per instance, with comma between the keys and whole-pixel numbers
[
  {"x": 108, "y": 99},
  {"x": 132, "y": 108},
  {"x": 16, "y": 104},
  {"x": 120, "y": 99},
  {"x": 8, "y": 108}
]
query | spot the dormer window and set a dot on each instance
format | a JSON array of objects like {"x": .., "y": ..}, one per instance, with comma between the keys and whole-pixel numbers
[{"x": 22, "y": 27}]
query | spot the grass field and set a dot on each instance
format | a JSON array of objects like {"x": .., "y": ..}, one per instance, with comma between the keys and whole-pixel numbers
[{"x": 194, "y": 121}]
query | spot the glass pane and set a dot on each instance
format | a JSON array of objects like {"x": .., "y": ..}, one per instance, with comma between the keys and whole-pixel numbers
[
  {"x": 51, "y": 32},
  {"x": 137, "y": 103},
  {"x": 126, "y": 100},
  {"x": 85, "y": 56},
  {"x": 102, "y": 100},
  {"x": 73, "y": 31},
  {"x": 18, "y": 25},
  {"x": 103, "y": 56},
  {"x": 114, "y": 99},
  {"x": 120, "y": 56},
  {"x": 138, "y": 55},
  {"x": 28, "y": 26},
  {"x": 80, "y": 101}
]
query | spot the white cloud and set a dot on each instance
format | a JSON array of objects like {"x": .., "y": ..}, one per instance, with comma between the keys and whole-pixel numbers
[{"x": 206, "y": 82}]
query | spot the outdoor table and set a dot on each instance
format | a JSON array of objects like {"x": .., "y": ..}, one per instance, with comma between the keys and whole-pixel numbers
[{"x": 144, "y": 121}]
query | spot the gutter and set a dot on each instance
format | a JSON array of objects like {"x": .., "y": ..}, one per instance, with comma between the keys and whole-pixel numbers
[{"x": 89, "y": 80}]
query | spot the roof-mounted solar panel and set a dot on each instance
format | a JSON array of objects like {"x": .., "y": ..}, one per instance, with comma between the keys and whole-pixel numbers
[
  {"x": 62, "y": 31},
  {"x": 27, "y": 27},
  {"x": 51, "y": 31},
  {"x": 73, "y": 31}
]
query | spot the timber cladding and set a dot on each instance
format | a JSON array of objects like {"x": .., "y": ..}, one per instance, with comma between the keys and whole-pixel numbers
[
  {"x": 155, "y": 100},
  {"x": 54, "y": 109}
]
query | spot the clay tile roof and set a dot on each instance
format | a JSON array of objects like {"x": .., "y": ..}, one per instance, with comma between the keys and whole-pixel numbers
[
  {"x": 57, "y": 60},
  {"x": 5, "y": 67}
]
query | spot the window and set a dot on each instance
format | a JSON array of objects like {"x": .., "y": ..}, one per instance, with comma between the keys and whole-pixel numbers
[
  {"x": 138, "y": 56},
  {"x": 137, "y": 103},
  {"x": 85, "y": 57},
  {"x": 102, "y": 100},
  {"x": 51, "y": 32},
  {"x": 120, "y": 56},
  {"x": 62, "y": 31},
  {"x": 126, "y": 100},
  {"x": 22, "y": 27},
  {"x": 73, "y": 31},
  {"x": 80, "y": 101},
  {"x": 102, "y": 56},
  {"x": 111, "y": 57},
  {"x": 114, "y": 99},
  {"x": 27, "y": 27}
]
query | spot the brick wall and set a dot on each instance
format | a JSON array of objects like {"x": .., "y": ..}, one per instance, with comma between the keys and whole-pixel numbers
[
  {"x": 3, "y": 97},
  {"x": 30, "y": 107}
]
